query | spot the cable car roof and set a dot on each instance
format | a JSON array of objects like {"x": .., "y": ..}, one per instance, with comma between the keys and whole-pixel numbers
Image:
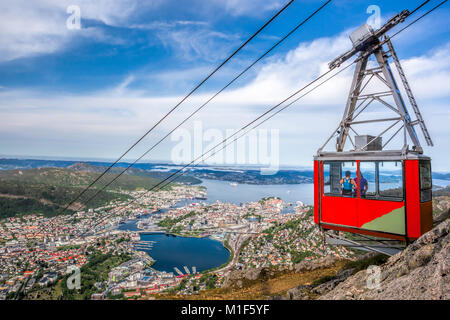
[{"x": 386, "y": 155}]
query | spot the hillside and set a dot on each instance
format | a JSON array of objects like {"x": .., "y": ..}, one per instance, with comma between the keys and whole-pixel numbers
[
  {"x": 255, "y": 176},
  {"x": 266, "y": 283},
  {"x": 67, "y": 177},
  {"x": 150, "y": 170},
  {"x": 158, "y": 175},
  {"x": 419, "y": 272},
  {"x": 19, "y": 197},
  {"x": 46, "y": 190}
]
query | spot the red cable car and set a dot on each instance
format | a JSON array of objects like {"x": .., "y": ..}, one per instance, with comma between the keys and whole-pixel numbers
[
  {"x": 394, "y": 202},
  {"x": 368, "y": 189}
]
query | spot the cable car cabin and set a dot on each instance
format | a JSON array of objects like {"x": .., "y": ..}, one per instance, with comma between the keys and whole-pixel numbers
[{"x": 388, "y": 194}]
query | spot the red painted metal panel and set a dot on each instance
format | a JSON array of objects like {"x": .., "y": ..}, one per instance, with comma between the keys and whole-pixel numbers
[
  {"x": 316, "y": 192},
  {"x": 340, "y": 210},
  {"x": 412, "y": 198}
]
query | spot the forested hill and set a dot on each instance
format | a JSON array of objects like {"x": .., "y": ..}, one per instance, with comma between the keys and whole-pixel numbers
[
  {"x": 150, "y": 170},
  {"x": 67, "y": 177},
  {"x": 47, "y": 190}
]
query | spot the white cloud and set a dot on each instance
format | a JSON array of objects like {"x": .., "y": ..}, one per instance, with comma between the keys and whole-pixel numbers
[
  {"x": 31, "y": 28},
  {"x": 249, "y": 7},
  {"x": 284, "y": 75},
  {"x": 430, "y": 73},
  {"x": 164, "y": 25},
  {"x": 198, "y": 43}
]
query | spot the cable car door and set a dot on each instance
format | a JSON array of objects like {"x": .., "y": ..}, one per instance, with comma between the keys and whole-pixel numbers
[
  {"x": 381, "y": 197},
  {"x": 338, "y": 207}
]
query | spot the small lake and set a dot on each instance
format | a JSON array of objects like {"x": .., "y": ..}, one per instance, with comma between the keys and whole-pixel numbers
[{"x": 173, "y": 251}]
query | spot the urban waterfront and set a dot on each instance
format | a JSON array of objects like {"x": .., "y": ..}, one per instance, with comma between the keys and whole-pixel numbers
[{"x": 205, "y": 253}]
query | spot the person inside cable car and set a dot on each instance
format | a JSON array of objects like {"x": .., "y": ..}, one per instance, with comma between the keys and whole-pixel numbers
[
  {"x": 348, "y": 184},
  {"x": 363, "y": 186}
]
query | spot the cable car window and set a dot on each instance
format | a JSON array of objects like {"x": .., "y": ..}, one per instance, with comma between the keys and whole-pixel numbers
[
  {"x": 326, "y": 178},
  {"x": 331, "y": 178},
  {"x": 425, "y": 181},
  {"x": 347, "y": 181},
  {"x": 390, "y": 179},
  {"x": 336, "y": 183},
  {"x": 367, "y": 179}
]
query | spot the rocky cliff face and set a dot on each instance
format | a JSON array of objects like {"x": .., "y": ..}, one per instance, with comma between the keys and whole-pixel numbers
[{"x": 421, "y": 271}]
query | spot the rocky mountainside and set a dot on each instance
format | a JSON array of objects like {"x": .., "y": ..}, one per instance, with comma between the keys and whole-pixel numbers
[{"x": 421, "y": 271}]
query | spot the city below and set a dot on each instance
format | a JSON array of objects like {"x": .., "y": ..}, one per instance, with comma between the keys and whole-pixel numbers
[{"x": 38, "y": 252}]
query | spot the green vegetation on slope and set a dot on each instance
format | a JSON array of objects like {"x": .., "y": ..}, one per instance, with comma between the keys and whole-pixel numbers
[
  {"x": 169, "y": 223},
  {"x": 71, "y": 178},
  {"x": 96, "y": 270},
  {"x": 47, "y": 190},
  {"x": 18, "y": 198},
  {"x": 15, "y": 207}
]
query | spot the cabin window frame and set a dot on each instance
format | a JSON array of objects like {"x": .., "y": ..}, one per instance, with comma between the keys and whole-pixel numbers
[
  {"x": 379, "y": 193},
  {"x": 426, "y": 193},
  {"x": 323, "y": 177},
  {"x": 356, "y": 195}
]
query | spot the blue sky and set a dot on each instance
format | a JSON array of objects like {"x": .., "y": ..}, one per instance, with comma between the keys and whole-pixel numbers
[{"x": 90, "y": 93}]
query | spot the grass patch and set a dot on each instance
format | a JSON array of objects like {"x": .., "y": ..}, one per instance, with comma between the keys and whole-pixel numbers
[{"x": 363, "y": 264}]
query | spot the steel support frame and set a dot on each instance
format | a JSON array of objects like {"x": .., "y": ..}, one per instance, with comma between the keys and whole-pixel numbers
[{"x": 356, "y": 102}]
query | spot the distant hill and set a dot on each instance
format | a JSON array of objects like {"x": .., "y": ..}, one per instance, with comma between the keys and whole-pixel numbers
[
  {"x": 442, "y": 192},
  {"x": 82, "y": 166},
  {"x": 150, "y": 170},
  {"x": 20, "y": 198},
  {"x": 255, "y": 176},
  {"x": 76, "y": 178},
  {"x": 47, "y": 190},
  {"x": 441, "y": 176}
]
